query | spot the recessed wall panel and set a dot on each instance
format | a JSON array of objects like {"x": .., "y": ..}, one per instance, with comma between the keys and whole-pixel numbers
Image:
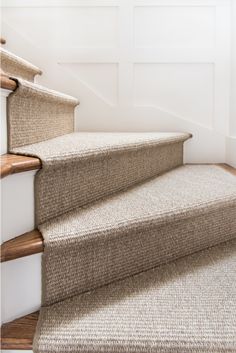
[
  {"x": 174, "y": 26},
  {"x": 66, "y": 27},
  {"x": 184, "y": 90}
]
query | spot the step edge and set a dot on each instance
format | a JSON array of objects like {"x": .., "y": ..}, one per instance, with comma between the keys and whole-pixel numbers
[
  {"x": 14, "y": 163},
  {"x": 27, "y": 244},
  {"x": 19, "y": 333}
]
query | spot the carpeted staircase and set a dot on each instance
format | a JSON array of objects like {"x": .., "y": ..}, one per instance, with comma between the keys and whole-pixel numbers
[{"x": 140, "y": 251}]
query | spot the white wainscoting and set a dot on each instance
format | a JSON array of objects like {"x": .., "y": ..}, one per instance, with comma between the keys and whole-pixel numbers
[{"x": 135, "y": 65}]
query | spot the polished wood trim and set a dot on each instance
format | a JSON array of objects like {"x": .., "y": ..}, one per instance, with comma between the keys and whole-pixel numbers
[
  {"x": 24, "y": 245},
  {"x": 2, "y": 40},
  {"x": 19, "y": 333},
  {"x": 7, "y": 83},
  {"x": 13, "y": 163},
  {"x": 227, "y": 167}
]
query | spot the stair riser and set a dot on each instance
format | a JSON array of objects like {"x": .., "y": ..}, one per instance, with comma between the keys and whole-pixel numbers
[
  {"x": 21, "y": 287},
  {"x": 17, "y": 199},
  {"x": 61, "y": 190},
  {"x": 93, "y": 263}
]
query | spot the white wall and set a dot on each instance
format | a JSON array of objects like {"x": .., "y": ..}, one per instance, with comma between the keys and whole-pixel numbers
[
  {"x": 135, "y": 65},
  {"x": 231, "y": 138}
]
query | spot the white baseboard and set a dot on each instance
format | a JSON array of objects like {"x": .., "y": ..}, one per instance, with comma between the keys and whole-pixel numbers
[{"x": 231, "y": 150}]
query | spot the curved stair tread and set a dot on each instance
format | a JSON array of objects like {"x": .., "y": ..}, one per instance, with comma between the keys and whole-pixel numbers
[
  {"x": 19, "y": 333},
  {"x": 32, "y": 242},
  {"x": 14, "y": 163}
]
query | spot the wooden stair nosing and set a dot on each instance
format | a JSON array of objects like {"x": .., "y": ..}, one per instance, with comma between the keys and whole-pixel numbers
[
  {"x": 8, "y": 83},
  {"x": 24, "y": 245},
  {"x": 19, "y": 333},
  {"x": 13, "y": 163}
]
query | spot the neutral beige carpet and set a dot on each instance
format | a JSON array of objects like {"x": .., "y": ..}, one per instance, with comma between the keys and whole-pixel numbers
[
  {"x": 15, "y": 66},
  {"x": 37, "y": 114},
  {"x": 182, "y": 211},
  {"x": 80, "y": 168},
  {"x": 187, "y": 306}
]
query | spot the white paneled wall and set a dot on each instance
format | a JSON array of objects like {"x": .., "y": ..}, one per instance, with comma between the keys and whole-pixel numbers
[{"x": 135, "y": 65}]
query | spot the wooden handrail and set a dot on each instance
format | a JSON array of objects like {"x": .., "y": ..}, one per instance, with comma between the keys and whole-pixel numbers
[
  {"x": 24, "y": 245},
  {"x": 13, "y": 163},
  {"x": 19, "y": 333},
  {"x": 2, "y": 40}
]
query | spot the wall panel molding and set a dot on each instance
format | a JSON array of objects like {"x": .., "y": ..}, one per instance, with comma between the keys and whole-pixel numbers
[{"x": 164, "y": 63}]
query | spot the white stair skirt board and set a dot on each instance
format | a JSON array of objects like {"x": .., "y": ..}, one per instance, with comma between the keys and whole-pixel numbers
[
  {"x": 21, "y": 287},
  {"x": 231, "y": 151},
  {"x": 21, "y": 294},
  {"x": 3, "y": 120}
]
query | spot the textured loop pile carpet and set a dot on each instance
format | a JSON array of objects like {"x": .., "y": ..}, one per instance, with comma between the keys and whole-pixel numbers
[
  {"x": 158, "y": 221},
  {"x": 128, "y": 265},
  {"x": 187, "y": 306},
  {"x": 43, "y": 113},
  {"x": 15, "y": 66},
  {"x": 79, "y": 168}
]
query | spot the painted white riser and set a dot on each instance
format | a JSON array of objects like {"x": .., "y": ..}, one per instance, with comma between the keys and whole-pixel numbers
[
  {"x": 21, "y": 287},
  {"x": 17, "y": 198},
  {"x": 21, "y": 278}
]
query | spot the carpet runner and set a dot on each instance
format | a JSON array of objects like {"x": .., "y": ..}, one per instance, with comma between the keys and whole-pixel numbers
[{"x": 128, "y": 230}]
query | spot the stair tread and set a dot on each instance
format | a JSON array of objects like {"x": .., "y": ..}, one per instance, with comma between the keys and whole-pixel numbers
[
  {"x": 19, "y": 333},
  {"x": 187, "y": 305},
  {"x": 181, "y": 193},
  {"x": 157, "y": 221},
  {"x": 82, "y": 145},
  {"x": 13, "y": 64},
  {"x": 49, "y": 114},
  {"x": 24, "y": 245},
  {"x": 7, "y": 83},
  {"x": 13, "y": 163},
  {"x": 32, "y": 242}
]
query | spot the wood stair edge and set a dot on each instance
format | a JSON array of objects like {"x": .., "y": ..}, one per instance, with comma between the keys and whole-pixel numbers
[
  {"x": 19, "y": 333},
  {"x": 7, "y": 82},
  {"x": 29, "y": 243},
  {"x": 13, "y": 163}
]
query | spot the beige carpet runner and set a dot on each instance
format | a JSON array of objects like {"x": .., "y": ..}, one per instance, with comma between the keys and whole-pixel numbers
[
  {"x": 15, "y": 66},
  {"x": 180, "y": 212},
  {"x": 187, "y": 306},
  {"x": 79, "y": 168},
  {"x": 121, "y": 216}
]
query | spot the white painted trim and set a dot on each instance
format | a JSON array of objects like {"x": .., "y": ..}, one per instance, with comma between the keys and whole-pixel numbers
[
  {"x": 3, "y": 122},
  {"x": 231, "y": 151},
  {"x": 95, "y": 3},
  {"x": 59, "y": 3}
]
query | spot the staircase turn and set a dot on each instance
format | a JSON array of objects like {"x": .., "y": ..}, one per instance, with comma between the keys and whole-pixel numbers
[{"x": 139, "y": 249}]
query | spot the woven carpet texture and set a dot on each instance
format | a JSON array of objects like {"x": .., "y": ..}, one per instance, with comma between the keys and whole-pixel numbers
[
  {"x": 15, "y": 66},
  {"x": 139, "y": 250},
  {"x": 158, "y": 221},
  {"x": 79, "y": 168},
  {"x": 187, "y": 306},
  {"x": 43, "y": 113}
]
